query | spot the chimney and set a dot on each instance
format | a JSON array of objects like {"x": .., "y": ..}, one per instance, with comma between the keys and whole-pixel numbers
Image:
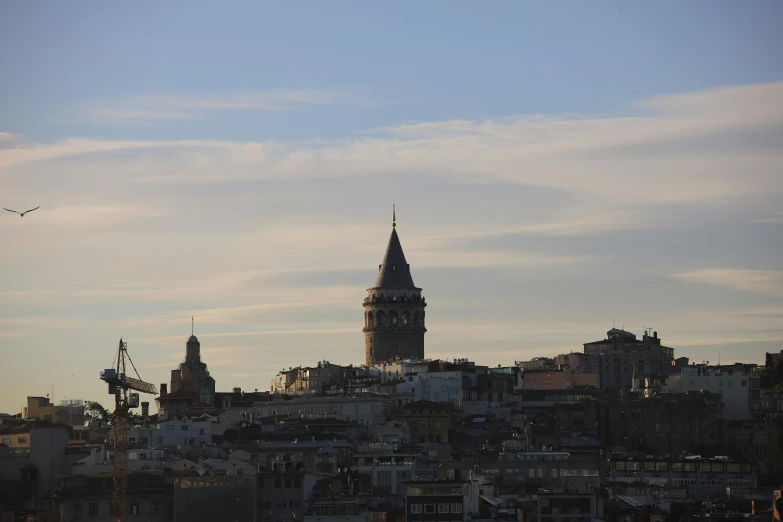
[
  {"x": 164, "y": 389},
  {"x": 145, "y": 409}
]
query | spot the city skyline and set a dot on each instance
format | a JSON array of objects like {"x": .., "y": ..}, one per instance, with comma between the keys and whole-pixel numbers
[{"x": 248, "y": 180}]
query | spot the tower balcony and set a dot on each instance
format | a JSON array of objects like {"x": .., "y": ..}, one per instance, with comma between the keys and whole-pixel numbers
[
  {"x": 384, "y": 299},
  {"x": 392, "y": 327}
]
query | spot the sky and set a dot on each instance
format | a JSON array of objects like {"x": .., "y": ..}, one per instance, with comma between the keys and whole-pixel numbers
[{"x": 557, "y": 168}]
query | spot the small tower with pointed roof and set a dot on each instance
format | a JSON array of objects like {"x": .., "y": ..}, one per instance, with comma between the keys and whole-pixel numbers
[{"x": 393, "y": 309}]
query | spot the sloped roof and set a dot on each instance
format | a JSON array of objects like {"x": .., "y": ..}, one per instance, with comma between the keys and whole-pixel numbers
[{"x": 394, "y": 272}]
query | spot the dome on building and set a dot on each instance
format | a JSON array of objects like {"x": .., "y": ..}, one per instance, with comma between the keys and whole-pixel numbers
[{"x": 193, "y": 339}]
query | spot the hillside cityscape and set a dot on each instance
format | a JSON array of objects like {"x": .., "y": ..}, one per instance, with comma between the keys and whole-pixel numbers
[
  {"x": 407, "y": 261},
  {"x": 622, "y": 429}
]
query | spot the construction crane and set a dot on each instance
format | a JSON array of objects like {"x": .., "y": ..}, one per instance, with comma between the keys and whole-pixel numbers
[{"x": 119, "y": 386}]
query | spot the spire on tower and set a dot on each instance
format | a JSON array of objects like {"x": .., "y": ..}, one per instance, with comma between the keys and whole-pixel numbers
[
  {"x": 394, "y": 216},
  {"x": 394, "y": 271}
]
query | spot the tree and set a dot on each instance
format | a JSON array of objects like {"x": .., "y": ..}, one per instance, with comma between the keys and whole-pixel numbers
[{"x": 95, "y": 413}]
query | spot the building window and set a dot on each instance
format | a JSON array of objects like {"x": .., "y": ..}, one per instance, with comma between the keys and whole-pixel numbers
[
  {"x": 278, "y": 483},
  {"x": 134, "y": 508},
  {"x": 298, "y": 483},
  {"x": 456, "y": 508},
  {"x": 21, "y": 440},
  {"x": 184, "y": 427},
  {"x": 93, "y": 509},
  {"x": 160, "y": 441},
  {"x": 443, "y": 508},
  {"x": 170, "y": 427},
  {"x": 415, "y": 508},
  {"x": 429, "y": 508},
  {"x": 7, "y": 441},
  {"x": 77, "y": 509},
  {"x": 153, "y": 509}
]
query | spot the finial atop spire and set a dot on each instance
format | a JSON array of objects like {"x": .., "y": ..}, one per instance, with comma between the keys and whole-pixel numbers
[
  {"x": 191, "y": 324},
  {"x": 394, "y": 216}
]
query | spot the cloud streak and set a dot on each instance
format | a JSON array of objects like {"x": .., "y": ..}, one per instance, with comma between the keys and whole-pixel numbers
[
  {"x": 584, "y": 156},
  {"x": 152, "y": 108},
  {"x": 765, "y": 282}
]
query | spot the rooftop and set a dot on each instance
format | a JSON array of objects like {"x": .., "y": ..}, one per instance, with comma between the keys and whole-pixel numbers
[{"x": 394, "y": 271}]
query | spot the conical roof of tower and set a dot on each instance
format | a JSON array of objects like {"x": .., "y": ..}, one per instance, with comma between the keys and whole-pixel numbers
[{"x": 394, "y": 272}]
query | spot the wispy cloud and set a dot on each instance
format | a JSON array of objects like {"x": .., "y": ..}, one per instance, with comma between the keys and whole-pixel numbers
[
  {"x": 766, "y": 282},
  {"x": 774, "y": 217},
  {"x": 89, "y": 216},
  {"x": 600, "y": 157},
  {"x": 8, "y": 140},
  {"x": 139, "y": 110},
  {"x": 294, "y": 330}
]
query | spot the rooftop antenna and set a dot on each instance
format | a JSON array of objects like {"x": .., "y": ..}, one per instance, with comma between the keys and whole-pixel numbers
[{"x": 394, "y": 216}]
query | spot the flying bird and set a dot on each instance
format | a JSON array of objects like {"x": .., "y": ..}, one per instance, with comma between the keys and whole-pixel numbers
[{"x": 22, "y": 213}]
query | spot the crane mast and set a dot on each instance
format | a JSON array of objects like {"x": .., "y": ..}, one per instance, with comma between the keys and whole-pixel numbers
[{"x": 119, "y": 386}]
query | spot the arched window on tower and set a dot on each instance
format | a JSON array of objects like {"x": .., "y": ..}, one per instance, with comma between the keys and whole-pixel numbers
[
  {"x": 416, "y": 319},
  {"x": 370, "y": 319},
  {"x": 406, "y": 318},
  {"x": 381, "y": 318},
  {"x": 393, "y": 317},
  {"x": 422, "y": 318},
  {"x": 394, "y": 350}
]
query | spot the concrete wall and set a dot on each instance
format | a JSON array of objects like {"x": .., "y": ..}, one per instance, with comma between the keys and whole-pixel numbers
[
  {"x": 47, "y": 453},
  {"x": 734, "y": 386}
]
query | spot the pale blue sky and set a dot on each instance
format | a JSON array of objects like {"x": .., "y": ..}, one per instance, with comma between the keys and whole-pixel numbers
[
  {"x": 555, "y": 165},
  {"x": 407, "y": 61}
]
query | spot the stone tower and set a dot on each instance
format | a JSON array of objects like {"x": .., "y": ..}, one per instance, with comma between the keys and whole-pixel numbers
[
  {"x": 192, "y": 374},
  {"x": 393, "y": 310}
]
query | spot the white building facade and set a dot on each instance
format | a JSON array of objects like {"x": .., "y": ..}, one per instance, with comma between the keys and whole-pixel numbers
[{"x": 737, "y": 384}]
